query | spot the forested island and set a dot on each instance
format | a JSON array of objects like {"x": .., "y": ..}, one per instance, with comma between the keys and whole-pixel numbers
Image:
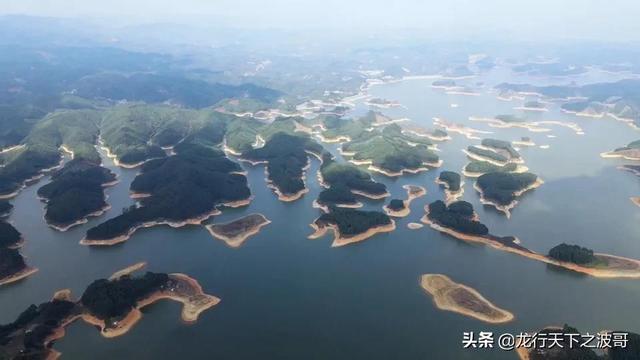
[
  {"x": 477, "y": 168},
  {"x": 12, "y": 264},
  {"x": 344, "y": 182},
  {"x": 111, "y": 305},
  {"x": 451, "y": 296},
  {"x": 501, "y": 189},
  {"x": 75, "y": 193},
  {"x": 401, "y": 208},
  {"x": 236, "y": 232},
  {"x": 178, "y": 190},
  {"x": 452, "y": 183},
  {"x": 459, "y": 220},
  {"x": 351, "y": 225},
  {"x": 287, "y": 157}
]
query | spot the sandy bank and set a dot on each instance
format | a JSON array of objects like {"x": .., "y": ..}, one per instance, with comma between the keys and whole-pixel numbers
[
  {"x": 235, "y": 238},
  {"x": 340, "y": 240},
  {"x": 413, "y": 192},
  {"x": 414, "y": 226},
  {"x": 197, "y": 220},
  {"x": 27, "y": 271},
  {"x": 627, "y": 154},
  {"x": 451, "y": 296}
]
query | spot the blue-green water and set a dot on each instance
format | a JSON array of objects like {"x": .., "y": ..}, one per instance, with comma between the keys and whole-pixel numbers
[{"x": 287, "y": 297}]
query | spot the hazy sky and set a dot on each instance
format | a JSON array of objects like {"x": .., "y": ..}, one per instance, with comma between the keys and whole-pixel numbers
[{"x": 596, "y": 19}]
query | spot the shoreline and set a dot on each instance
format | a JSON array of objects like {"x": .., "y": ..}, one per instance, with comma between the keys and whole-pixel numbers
[
  {"x": 506, "y": 209},
  {"x": 340, "y": 240},
  {"x": 20, "y": 275},
  {"x": 440, "y": 288},
  {"x": 238, "y": 240},
  {"x": 418, "y": 192},
  {"x": 595, "y": 272},
  {"x": 197, "y": 220},
  {"x": 451, "y": 196}
]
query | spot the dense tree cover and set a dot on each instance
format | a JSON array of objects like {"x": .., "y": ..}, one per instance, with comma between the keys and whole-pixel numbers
[
  {"x": 501, "y": 145},
  {"x": 158, "y": 88},
  {"x": 286, "y": 156},
  {"x": 5, "y": 207},
  {"x": 113, "y": 299},
  {"x": 451, "y": 178},
  {"x": 187, "y": 185},
  {"x": 337, "y": 194},
  {"x": 75, "y": 191},
  {"x": 129, "y": 130},
  {"x": 500, "y": 187},
  {"x": 26, "y": 164},
  {"x": 9, "y": 236},
  {"x": 11, "y": 262},
  {"x": 76, "y": 129},
  {"x": 392, "y": 150},
  {"x": 241, "y": 135},
  {"x": 487, "y": 167},
  {"x": 488, "y": 154},
  {"x": 572, "y": 253},
  {"x": 575, "y": 106},
  {"x": 352, "y": 128},
  {"x": 457, "y": 216},
  {"x": 344, "y": 177},
  {"x": 25, "y": 337},
  {"x": 352, "y": 222},
  {"x": 396, "y": 205}
]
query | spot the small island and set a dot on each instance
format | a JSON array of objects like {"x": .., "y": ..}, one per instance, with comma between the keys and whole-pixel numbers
[
  {"x": 451, "y": 296},
  {"x": 401, "y": 208},
  {"x": 476, "y": 168},
  {"x": 111, "y": 305},
  {"x": 451, "y": 181},
  {"x": 351, "y": 225},
  {"x": 236, "y": 232},
  {"x": 75, "y": 193},
  {"x": 501, "y": 190}
]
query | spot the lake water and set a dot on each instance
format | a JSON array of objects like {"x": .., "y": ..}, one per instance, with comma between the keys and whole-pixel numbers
[{"x": 287, "y": 297}]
